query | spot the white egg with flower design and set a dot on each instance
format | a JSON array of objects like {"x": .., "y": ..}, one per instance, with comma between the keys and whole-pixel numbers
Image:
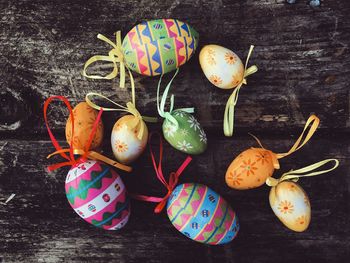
[
  {"x": 126, "y": 144},
  {"x": 291, "y": 205},
  {"x": 222, "y": 67}
]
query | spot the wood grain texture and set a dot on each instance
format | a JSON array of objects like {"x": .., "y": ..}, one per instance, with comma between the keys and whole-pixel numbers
[
  {"x": 302, "y": 54},
  {"x": 304, "y": 63}
]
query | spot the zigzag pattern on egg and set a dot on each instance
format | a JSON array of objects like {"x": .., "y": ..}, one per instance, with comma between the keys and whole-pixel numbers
[
  {"x": 86, "y": 182},
  {"x": 158, "y": 46},
  {"x": 108, "y": 218},
  {"x": 202, "y": 215}
]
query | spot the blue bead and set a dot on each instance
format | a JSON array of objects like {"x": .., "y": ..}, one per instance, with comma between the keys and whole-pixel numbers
[
  {"x": 315, "y": 3},
  {"x": 291, "y": 1}
]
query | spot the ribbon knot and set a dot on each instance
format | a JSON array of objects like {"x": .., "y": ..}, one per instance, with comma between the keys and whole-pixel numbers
[
  {"x": 115, "y": 55},
  {"x": 173, "y": 177},
  {"x": 229, "y": 114},
  {"x": 130, "y": 108},
  {"x": 294, "y": 175},
  {"x": 161, "y": 102},
  {"x": 85, "y": 153}
]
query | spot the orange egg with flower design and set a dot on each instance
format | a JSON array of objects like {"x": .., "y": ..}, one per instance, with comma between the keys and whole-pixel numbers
[
  {"x": 251, "y": 168},
  {"x": 84, "y": 119}
]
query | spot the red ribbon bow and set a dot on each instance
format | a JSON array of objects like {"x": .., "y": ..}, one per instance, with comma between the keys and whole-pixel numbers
[
  {"x": 70, "y": 159},
  {"x": 85, "y": 153},
  {"x": 173, "y": 178}
]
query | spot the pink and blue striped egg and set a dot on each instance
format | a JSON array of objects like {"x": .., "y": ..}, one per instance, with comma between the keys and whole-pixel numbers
[
  {"x": 98, "y": 195},
  {"x": 202, "y": 215}
]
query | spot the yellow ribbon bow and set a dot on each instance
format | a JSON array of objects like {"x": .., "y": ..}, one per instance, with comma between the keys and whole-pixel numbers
[
  {"x": 115, "y": 55},
  {"x": 294, "y": 175},
  {"x": 229, "y": 114},
  {"x": 130, "y": 108}
]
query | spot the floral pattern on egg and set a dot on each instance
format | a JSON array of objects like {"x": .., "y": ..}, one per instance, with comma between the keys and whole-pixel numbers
[
  {"x": 126, "y": 146},
  {"x": 189, "y": 137},
  {"x": 291, "y": 205},
  {"x": 222, "y": 67},
  {"x": 250, "y": 169},
  {"x": 84, "y": 119}
]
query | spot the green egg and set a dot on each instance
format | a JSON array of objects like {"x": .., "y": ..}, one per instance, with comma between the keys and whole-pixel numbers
[{"x": 189, "y": 137}]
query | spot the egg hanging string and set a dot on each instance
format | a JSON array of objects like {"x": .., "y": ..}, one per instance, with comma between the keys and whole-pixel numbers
[
  {"x": 161, "y": 102},
  {"x": 115, "y": 55},
  {"x": 294, "y": 175},
  {"x": 229, "y": 114},
  {"x": 85, "y": 153},
  {"x": 310, "y": 127},
  {"x": 173, "y": 178},
  {"x": 130, "y": 108}
]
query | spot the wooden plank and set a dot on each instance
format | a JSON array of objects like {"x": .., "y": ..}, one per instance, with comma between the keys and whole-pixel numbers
[
  {"x": 38, "y": 224},
  {"x": 302, "y": 55}
]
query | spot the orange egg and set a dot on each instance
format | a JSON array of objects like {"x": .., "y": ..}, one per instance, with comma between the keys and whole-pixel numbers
[
  {"x": 84, "y": 119},
  {"x": 251, "y": 168}
]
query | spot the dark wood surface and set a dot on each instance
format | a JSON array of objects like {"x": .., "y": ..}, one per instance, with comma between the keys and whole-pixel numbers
[{"x": 304, "y": 66}]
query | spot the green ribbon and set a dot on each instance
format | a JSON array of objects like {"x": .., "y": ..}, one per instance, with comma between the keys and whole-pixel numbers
[{"x": 161, "y": 102}]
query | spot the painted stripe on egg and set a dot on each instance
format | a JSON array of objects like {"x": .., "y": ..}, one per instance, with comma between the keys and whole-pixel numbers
[
  {"x": 99, "y": 202},
  {"x": 86, "y": 187},
  {"x": 211, "y": 219},
  {"x": 218, "y": 227},
  {"x": 149, "y": 60},
  {"x": 188, "y": 200},
  {"x": 174, "y": 199},
  {"x": 198, "y": 209},
  {"x": 76, "y": 172},
  {"x": 115, "y": 214}
]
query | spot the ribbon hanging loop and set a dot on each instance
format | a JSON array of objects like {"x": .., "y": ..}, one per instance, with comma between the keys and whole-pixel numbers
[
  {"x": 311, "y": 125},
  {"x": 161, "y": 102},
  {"x": 173, "y": 178},
  {"x": 229, "y": 114},
  {"x": 85, "y": 153},
  {"x": 294, "y": 175},
  {"x": 130, "y": 108},
  {"x": 115, "y": 56}
]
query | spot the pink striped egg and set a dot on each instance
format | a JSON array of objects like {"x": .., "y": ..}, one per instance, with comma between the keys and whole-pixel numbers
[
  {"x": 202, "y": 215},
  {"x": 98, "y": 195}
]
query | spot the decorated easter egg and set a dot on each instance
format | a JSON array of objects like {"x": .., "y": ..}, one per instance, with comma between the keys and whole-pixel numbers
[
  {"x": 291, "y": 205},
  {"x": 84, "y": 119},
  {"x": 189, "y": 137},
  {"x": 251, "y": 168},
  {"x": 98, "y": 195},
  {"x": 222, "y": 67},
  {"x": 201, "y": 214},
  {"x": 126, "y": 145},
  {"x": 159, "y": 46}
]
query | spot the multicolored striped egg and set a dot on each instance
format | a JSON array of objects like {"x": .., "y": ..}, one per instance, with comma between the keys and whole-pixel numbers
[
  {"x": 189, "y": 137},
  {"x": 126, "y": 146},
  {"x": 159, "y": 46},
  {"x": 251, "y": 168},
  {"x": 202, "y": 215},
  {"x": 98, "y": 195},
  {"x": 291, "y": 205},
  {"x": 84, "y": 119},
  {"x": 222, "y": 67}
]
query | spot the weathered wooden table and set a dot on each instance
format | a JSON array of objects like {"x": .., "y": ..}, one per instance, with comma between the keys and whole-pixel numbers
[{"x": 304, "y": 65}]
